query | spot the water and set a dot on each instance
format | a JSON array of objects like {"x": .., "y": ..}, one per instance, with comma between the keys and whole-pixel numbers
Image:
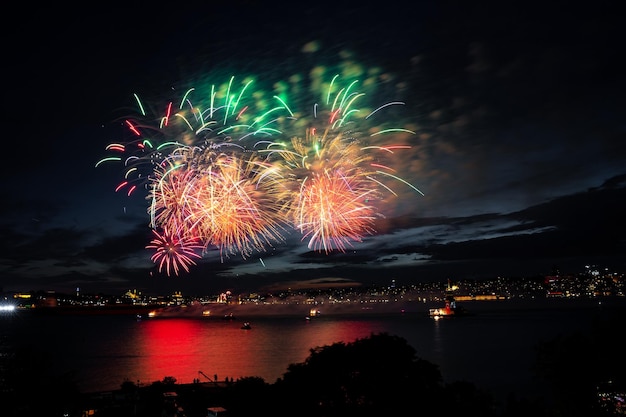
[{"x": 492, "y": 349}]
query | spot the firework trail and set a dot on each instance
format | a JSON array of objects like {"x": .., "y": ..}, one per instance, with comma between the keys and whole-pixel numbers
[
  {"x": 206, "y": 190},
  {"x": 221, "y": 175},
  {"x": 226, "y": 199},
  {"x": 335, "y": 177},
  {"x": 223, "y": 117},
  {"x": 173, "y": 252}
]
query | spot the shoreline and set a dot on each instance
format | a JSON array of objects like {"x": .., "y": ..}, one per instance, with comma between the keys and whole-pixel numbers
[
  {"x": 91, "y": 310},
  {"x": 242, "y": 310}
]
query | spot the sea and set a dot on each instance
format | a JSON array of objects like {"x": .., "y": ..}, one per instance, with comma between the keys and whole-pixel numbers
[{"x": 494, "y": 347}]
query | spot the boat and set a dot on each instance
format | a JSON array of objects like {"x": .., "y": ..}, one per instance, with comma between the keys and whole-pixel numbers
[
  {"x": 246, "y": 326},
  {"x": 450, "y": 308}
]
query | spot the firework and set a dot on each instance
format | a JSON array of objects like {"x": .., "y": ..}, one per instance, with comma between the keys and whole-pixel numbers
[
  {"x": 336, "y": 177},
  {"x": 173, "y": 252},
  {"x": 206, "y": 190},
  {"x": 223, "y": 117},
  {"x": 221, "y": 176},
  {"x": 226, "y": 199}
]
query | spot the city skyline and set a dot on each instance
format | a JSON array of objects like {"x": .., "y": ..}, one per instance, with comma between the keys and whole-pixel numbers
[{"x": 590, "y": 282}]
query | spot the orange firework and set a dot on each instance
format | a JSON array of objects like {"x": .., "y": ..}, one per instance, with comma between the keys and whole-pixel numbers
[
  {"x": 334, "y": 178},
  {"x": 226, "y": 200},
  {"x": 332, "y": 191},
  {"x": 332, "y": 210}
]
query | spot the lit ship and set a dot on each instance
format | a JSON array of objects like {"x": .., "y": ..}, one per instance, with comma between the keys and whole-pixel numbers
[{"x": 450, "y": 308}]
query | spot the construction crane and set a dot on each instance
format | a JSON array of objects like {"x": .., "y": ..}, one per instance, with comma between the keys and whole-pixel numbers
[{"x": 206, "y": 376}]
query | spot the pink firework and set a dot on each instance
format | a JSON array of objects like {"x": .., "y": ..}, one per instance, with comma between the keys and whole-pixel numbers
[{"x": 173, "y": 252}]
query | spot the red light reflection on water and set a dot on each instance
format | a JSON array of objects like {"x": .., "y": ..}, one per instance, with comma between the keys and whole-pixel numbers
[
  {"x": 190, "y": 349},
  {"x": 169, "y": 347},
  {"x": 182, "y": 348}
]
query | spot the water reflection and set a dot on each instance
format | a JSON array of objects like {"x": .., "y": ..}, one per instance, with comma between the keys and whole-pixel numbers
[{"x": 104, "y": 351}]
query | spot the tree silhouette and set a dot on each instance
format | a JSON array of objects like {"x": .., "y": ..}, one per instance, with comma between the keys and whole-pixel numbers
[{"x": 377, "y": 375}]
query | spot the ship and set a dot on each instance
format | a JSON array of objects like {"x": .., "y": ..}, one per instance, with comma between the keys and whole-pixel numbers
[{"x": 450, "y": 307}]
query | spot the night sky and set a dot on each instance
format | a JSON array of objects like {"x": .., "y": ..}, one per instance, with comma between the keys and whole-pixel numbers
[{"x": 519, "y": 147}]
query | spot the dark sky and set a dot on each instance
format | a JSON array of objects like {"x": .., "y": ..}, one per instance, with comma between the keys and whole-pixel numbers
[{"x": 517, "y": 108}]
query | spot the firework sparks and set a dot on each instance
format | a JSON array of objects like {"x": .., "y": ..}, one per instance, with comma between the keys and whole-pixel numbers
[
  {"x": 172, "y": 252},
  {"x": 219, "y": 178},
  {"x": 223, "y": 117},
  {"x": 226, "y": 199},
  {"x": 335, "y": 177}
]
